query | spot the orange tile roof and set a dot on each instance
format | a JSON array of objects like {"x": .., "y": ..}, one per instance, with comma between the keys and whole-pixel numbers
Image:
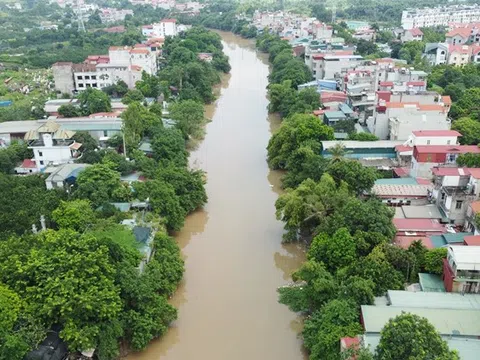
[
  {"x": 463, "y": 32},
  {"x": 139, "y": 51},
  {"x": 475, "y": 206},
  {"x": 447, "y": 100}
]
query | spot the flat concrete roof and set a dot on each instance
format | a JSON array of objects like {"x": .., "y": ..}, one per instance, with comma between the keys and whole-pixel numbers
[
  {"x": 352, "y": 144},
  {"x": 421, "y": 212},
  {"x": 433, "y": 300},
  {"x": 446, "y": 321},
  {"x": 9, "y": 127}
]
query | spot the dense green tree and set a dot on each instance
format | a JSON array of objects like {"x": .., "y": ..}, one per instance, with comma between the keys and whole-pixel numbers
[
  {"x": 117, "y": 90},
  {"x": 365, "y": 47},
  {"x": 149, "y": 85},
  {"x": 410, "y": 336},
  {"x": 89, "y": 143},
  {"x": 163, "y": 201},
  {"x": 358, "y": 177},
  {"x": 359, "y": 290},
  {"x": 12, "y": 156},
  {"x": 470, "y": 160},
  {"x": 169, "y": 146},
  {"x": 282, "y": 97},
  {"x": 132, "y": 96},
  {"x": 467, "y": 106},
  {"x": 76, "y": 215},
  {"x": 334, "y": 251},
  {"x": 94, "y": 101},
  {"x": 295, "y": 131},
  {"x": 99, "y": 184},
  {"x": 306, "y": 208},
  {"x": 434, "y": 260},
  {"x": 69, "y": 111},
  {"x": 138, "y": 122},
  {"x": 304, "y": 163},
  {"x": 470, "y": 130},
  {"x": 323, "y": 331},
  {"x": 189, "y": 117}
]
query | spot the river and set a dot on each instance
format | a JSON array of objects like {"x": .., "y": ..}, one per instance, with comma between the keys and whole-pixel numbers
[{"x": 234, "y": 258}]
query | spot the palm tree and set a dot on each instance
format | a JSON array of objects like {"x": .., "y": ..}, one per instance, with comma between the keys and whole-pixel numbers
[{"x": 338, "y": 151}]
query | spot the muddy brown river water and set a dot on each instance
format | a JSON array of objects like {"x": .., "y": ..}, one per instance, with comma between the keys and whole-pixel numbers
[{"x": 234, "y": 258}]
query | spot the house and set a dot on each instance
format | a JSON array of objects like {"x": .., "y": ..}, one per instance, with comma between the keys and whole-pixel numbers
[
  {"x": 402, "y": 194},
  {"x": 451, "y": 193},
  {"x": 51, "y": 144},
  {"x": 433, "y": 300},
  {"x": 414, "y": 34},
  {"x": 418, "y": 227},
  {"x": 450, "y": 54},
  {"x": 52, "y": 348},
  {"x": 108, "y": 15},
  {"x": 458, "y": 36},
  {"x": 162, "y": 29},
  {"x": 461, "y": 270},
  {"x": 207, "y": 57},
  {"x": 144, "y": 235},
  {"x": 471, "y": 217},
  {"x": 63, "y": 176},
  {"x": 425, "y": 157},
  {"x": 27, "y": 167}
]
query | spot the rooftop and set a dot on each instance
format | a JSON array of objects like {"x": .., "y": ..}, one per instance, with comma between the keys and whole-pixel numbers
[
  {"x": 433, "y": 300},
  {"x": 448, "y": 238},
  {"x": 401, "y": 190},
  {"x": 421, "y": 212},
  {"x": 446, "y": 321},
  {"x": 447, "y": 149},
  {"x": 430, "y": 133},
  {"x": 472, "y": 240},
  {"x": 418, "y": 225},
  {"x": 65, "y": 171},
  {"x": 450, "y": 171},
  {"x": 431, "y": 282},
  {"x": 465, "y": 257}
]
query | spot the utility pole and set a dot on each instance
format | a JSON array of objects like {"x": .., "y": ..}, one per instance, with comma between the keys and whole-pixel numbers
[{"x": 81, "y": 25}]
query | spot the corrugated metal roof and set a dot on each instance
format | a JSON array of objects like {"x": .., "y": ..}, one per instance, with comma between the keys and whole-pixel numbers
[
  {"x": 433, "y": 300},
  {"x": 446, "y": 321},
  {"x": 431, "y": 282},
  {"x": 465, "y": 257}
]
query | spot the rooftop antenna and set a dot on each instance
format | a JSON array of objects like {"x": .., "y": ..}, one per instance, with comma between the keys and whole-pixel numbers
[{"x": 81, "y": 25}]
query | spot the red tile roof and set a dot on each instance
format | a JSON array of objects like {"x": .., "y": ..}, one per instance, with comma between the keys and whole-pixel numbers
[
  {"x": 447, "y": 149},
  {"x": 475, "y": 172},
  {"x": 28, "y": 164},
  {"x": 475, "y": 205},
  {"x": 440, "y": 133},
  {"x": 405, "y": 241},
  {"x": 415, "y": 83},
  {"x": 446, "y": 99},
  {"x": 472, "y": 240},
  {"x": 418, "y": 225},
  {"x": 450, "y": 171},
  {"x": 168, "y": 21},
  {"x": 139, "y": 51},
  {"x": 403, "y": 148},
  {"x": 463, "y": 32},
  {"x": 386, "y": 83},
  {"x": 416, "y": 32},
  {"x": 402, "y": 171}
]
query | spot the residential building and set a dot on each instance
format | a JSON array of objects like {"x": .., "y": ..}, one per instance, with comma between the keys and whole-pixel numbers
[
  {"x": 440, "y": 16},
  {"x": 450, "y": 54},
  {"x": 461, "y": 270},
  {"x": 52, "y": 145},
  {"x": 432, "y": 300},
  {"x": 63, "y": 176},
  {"x": 367, "y": 35},
  {"x": 451, "y": 192},
  {"x": 99, "y": 71},
  {"x": 323, "y": 31},
  {"x": 426, "y": 157},
  {"x": 162, "y": 29},
  {"x": 26, "y": 168},
  {"x": 471, "y": 218},
  {"x": 413, "y": 34},
  {"x": 325, "y": 66},
  {"x": 108, "y": 15},
  {"x": 463, "y": 33}
]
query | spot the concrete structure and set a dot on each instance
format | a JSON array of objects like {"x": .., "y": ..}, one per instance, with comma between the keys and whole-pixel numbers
[
  {"x": 52, "y": 145},
  {"x": 426, "y": 157},
  {"x": 461, "y": 270},
  {"x": 64, "y": 175},
  {"x": 122, "y": 63},
  {"x": 108, "y": 15},
  {"x": 458, "y": 55},
  {"x": 440, "y": 16},
  {"x": 327, "y": 65},
  {"x": 162, "y": 29},
  {"x": 51, "y": 106},
  {"x": 414, "y": 34}
]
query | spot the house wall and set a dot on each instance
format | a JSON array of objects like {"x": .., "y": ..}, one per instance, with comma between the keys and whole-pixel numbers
[
  {"x": 63, "y": 78},
  {"x": 84, "y": 80},
  {"x": 458, "y": 59},
  {"x": 447, "y": 276},
  {"x": 331, "y": 67},
  {"x": 406, "y": 120},
  {"x": 434, "y": 140},
  {"x": 44, "y": 155},
  {"x": 324, "y": 33},
  {"x": 422, "y": 169}
]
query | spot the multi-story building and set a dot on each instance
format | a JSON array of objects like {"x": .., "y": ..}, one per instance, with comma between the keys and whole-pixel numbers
[
  {"x": 162, "y": 29},
  {"x": 426, "y": 157},
  {"x": 450, "y": 54},
  {"x": 461, "y": 269},
  {"x": 440, "y": 16},
  {"x": 413, "y": 34},
  {"x": 52, "y": 145},
  {"x": 108, "y": 15},
  {"x": 122, "y": 63}
]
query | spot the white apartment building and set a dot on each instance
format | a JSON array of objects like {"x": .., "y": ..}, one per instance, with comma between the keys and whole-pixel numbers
[
  {"x": 122, "y": 63},
  {"x": 326, "y": 65},
  {"x": 440, "y": 16},
  {"x": 52, "y": 145},
  {"x": 162, "y": 29}
]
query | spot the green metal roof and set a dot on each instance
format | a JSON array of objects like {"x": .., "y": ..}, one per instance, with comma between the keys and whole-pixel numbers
[
  {"x": 335, "y": 115},
  {"x": 397, "y": 181},
  {"x": 431, "y": 282},
  {"x": 446, "y": 239}
]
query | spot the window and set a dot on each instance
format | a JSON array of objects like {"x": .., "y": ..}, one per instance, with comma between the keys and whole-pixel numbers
[
  {"x": 87, "y": 77},
  {"x": 41, "y": 162},
  {"x": 80, "y": 85},
  {"x": 105, "y": 133},
  {"x": 443, "y": 196},
  {"x": 94, "y": 77},
  {"x": 459, "y": 204},
  {"x": 448, "y": 142},
  {"x": 40, "y": 153},
  {"x": 80, "y": 77},
  {"x": 428, "y": 142}
]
